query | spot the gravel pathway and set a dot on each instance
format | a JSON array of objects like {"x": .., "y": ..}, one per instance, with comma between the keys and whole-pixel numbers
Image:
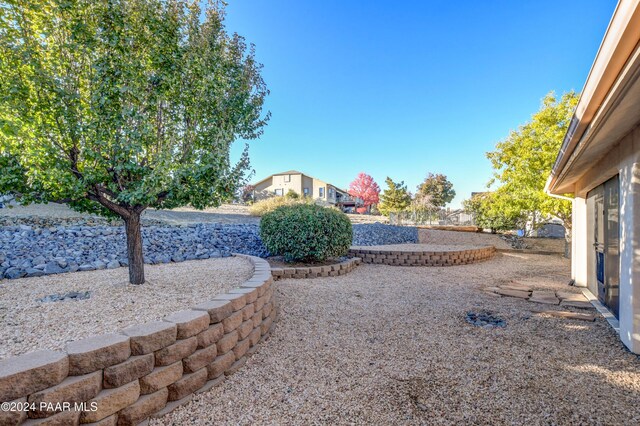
[
  {"x": 28, "y": 324},
  {"x": 390, "y": 345}
]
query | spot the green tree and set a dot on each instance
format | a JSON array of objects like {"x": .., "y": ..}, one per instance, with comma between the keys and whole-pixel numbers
[
  {"x": 395, "y": 198},
  {"x": 437, "y": 189},
  {"x": 524, "y": 160},
  {"x": 490, "y": 213},
  {"x": 113, "y": 106}
]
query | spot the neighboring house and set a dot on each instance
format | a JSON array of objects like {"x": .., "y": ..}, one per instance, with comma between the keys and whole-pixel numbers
[
  {"x": 304, "y": 185},
  {"x": 599, "y": 163}
]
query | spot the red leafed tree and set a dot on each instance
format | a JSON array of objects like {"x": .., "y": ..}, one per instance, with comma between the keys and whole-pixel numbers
[{"x": 365, "y": 188}]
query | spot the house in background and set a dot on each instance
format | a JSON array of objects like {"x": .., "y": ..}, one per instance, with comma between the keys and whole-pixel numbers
[
  {"x": 599, "y": 163},
  {"x": 304, "y": 185}
]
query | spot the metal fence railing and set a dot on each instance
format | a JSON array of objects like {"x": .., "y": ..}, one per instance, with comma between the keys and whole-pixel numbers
[{"x": 432, "y": 217}]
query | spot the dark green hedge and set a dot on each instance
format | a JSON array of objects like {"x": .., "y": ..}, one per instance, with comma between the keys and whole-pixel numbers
[{"x": 306, "y": 233}]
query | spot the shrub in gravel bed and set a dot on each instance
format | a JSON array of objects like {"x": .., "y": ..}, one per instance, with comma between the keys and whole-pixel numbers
[
  {"x": 376, "y": 234},
  {"x": 306, "y": 233}
]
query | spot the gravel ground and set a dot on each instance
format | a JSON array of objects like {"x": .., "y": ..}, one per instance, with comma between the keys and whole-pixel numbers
[
  {"x": 390, "y": 345},
  {"x": 434, "y": 236},
  {"x": 421, "y": 247},
  {"x": 29, "y": 325}
]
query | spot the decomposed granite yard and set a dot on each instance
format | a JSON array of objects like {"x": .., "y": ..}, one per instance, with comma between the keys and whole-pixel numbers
[{"x": 390, "y": 345}]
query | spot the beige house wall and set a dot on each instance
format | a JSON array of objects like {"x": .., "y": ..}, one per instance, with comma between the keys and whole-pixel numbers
[
  {"x": 623, "y": 160},
  {"x": 297, "y": 182}
]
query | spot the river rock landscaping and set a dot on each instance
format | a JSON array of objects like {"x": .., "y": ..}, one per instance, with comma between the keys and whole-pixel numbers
[{"x": 45, "y": 247}]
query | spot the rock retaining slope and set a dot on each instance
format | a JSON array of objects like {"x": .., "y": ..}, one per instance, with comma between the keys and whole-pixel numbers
[{"x": 145, "y": 370}]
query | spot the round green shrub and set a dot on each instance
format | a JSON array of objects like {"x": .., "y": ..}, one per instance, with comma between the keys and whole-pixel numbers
[{"x": 306, "y": 233}]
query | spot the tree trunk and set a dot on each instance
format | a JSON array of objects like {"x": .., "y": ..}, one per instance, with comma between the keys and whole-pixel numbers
[{"x": 134, "y": 248}]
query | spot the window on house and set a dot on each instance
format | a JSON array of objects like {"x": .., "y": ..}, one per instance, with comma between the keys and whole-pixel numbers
[
  {"x": 321, "y": 192},
  {"x": 332, "y": 193},
  {"x": 279, "y": 192},
  {"x": 287, "y": 178},
  {"x": 306, "y": 192}
]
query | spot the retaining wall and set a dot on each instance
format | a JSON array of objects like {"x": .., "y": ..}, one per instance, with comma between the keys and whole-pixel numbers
[
  {"x": 335, "y": 270},
  {"x": 424, "y": 258},
  {"x": 145, "y": 370}
]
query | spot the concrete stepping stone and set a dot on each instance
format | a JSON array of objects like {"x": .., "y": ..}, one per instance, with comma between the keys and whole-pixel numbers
[
  {"x": 570, "y": 315},
  {"x": 516, "y": 286},
  {"x": 546, "y": 297},
  {"x": 573, "y": 297},
  {"x": 577, "y": 304},
  {"x": 513, "y": 293},
  {"x": 491, "y": 289}
]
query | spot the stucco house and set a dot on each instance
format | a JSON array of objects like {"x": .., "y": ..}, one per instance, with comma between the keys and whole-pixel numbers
[
  {"x": 304, "y": 185},
  {"x": 599, "y": 164}
]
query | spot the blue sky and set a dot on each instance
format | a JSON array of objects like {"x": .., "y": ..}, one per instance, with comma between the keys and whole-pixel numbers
[{"x": 404, "y": 88}]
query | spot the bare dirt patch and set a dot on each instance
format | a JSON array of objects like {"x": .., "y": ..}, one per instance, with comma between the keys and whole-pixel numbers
[
  {"x": 114, "y": 304},
  {"x": 388, "y": 345}
]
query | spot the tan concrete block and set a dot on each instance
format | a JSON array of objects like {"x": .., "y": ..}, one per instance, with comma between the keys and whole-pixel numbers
[
  {"x": 179, "y": 350},
  {"x": 211, "y": 384},
  {"x": 112, "y": 420},
  {"x": 143, "y": 408},
  {"x": 236, "y": 366},
  {"x": 210, "y": 336},
  {"x": 254, "y": 336},
  {"x": 220, "y": 365},
  {"x": 266, "y": 324},
  {"x": 188, "y": 384},
  {"x": 110, "y": 401},
  {"x": 171, "y": 405},
  {"x": 232, "y": 322},
  {"x": 250, "y": 293},
  {"x": 11, "y": 418},
  {"x": 248, "y": 311},
  {"x": 256, "y": 319},
  {"x": 64, "y": 418},
  {"x": 241, "y": 348},
  {"x": 161, "y": 377},
  {"x": 227, "y": 342},
  {"x": 98, "y": 352},
  {"x": 72, "y": 389},
  {"x": 128, "y": 371},
  {"x": 259, "y": 304},
  {"x": 266, "y": 311},
  {"x": 238, "y": 301},
  {"x": 189, "y": 322},
  {"x": 217, "y": 309},
  {"x": 200, "y": 358},
  {"x": 244, "y": 329},
  {"x": 25, "y": 374},
  {"x": 150, "y": 337}
]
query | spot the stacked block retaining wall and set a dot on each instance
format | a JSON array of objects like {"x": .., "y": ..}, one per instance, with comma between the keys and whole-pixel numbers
[
  {"x": 424, "y": 258},
  {"x": 145, "y": 370}
]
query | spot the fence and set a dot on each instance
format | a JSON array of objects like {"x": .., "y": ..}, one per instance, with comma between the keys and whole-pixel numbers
[{"x": 432, "y": 217}]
